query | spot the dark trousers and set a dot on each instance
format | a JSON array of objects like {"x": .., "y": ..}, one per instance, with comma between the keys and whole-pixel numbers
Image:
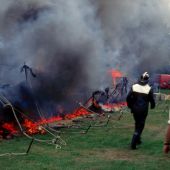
[
  {"x": 139, "y": 122},
  {"x": 139, "y": 126}
]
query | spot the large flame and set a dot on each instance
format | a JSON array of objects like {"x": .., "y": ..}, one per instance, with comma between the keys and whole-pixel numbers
[{"x": 36, "y": 127}]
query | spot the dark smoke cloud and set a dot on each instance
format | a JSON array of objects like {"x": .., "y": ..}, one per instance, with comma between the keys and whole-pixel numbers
[
  {"x": 72, "y": 44},
  {"x": 43, "y": 33},
  {"x": 60, "y": 40}
]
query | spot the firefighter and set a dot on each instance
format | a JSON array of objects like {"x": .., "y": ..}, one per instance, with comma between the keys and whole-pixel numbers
[
  {"x": 166, "y": 147},
  {"x": 138, "y": 99}
]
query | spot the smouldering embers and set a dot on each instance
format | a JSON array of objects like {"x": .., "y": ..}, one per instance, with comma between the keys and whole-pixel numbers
[{"x": 36, "y": 127}]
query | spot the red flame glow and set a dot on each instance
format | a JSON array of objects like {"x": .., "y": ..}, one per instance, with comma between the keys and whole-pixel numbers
[
  {"x": 36, "y": 127},
  {"x": 10, "y": 127},
  {"x": 115, "y": 105},
  {"x": 116, "y": 73},
  {"x": 78, "y": 112}
]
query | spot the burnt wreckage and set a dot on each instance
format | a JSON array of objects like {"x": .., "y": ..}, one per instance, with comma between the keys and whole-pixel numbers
[{"x": 96, "y": 112}]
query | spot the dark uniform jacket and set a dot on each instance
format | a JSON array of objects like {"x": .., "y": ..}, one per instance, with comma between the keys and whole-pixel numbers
[{"x": 139, "y": 97}]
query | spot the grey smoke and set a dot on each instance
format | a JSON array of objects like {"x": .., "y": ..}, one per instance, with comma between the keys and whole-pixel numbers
[
  {"x": 138, "y": 31},
  {"x": 60, "y": 40},
  {"x": 59, "y": 29},
  {"x": 72, "y": 44}
]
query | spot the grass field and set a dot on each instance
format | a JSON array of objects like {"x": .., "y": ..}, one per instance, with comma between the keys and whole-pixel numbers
[{"x": 105, "y": 148}]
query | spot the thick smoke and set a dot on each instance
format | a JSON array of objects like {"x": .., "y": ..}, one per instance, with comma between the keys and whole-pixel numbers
[
  {"x": 57, "y": 38},
  {"x": 60, "y": 40},
  {"x": 138, "y": 33},
  {"x": 72, "y": 44}
]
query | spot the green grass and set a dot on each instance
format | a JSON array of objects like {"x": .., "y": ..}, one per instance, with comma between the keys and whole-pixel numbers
[
  {"x": 105, "y": 148},
  {"x": 165, "y": 91}
]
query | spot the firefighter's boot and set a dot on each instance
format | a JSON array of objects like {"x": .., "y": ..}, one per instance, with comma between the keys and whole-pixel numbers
[
  {"x": 139, "y": 141},
  {"x": 134, "y": 141}
]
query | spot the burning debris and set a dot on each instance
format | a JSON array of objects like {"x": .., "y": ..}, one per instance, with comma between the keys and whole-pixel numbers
[
  {"x": 71, "y": 46},
  {"x": 99, "y": 103},
  {"x": 92, "y": 114}
]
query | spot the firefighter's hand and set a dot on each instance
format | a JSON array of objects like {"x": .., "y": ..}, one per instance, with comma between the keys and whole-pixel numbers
[{"x": 166, "y": 148}]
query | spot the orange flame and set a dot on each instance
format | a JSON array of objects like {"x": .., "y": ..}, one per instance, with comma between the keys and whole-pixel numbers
[
  {"x": 115, "y": 105},
  {"x": 115, "y": 74},
  {"x": 10, "y": 127},
  {"x": 78, "y": 112},
  {"x": 36, "y": 127}
]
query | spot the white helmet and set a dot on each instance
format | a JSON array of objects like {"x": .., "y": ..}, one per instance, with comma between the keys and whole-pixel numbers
[{"x": 145, "y": 77}]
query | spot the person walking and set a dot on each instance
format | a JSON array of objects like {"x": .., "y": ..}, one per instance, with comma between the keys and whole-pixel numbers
[{"x": 138, "y": 99}]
